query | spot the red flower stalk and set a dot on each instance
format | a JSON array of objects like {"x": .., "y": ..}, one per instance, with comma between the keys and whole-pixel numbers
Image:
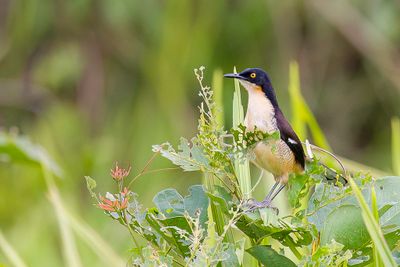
[
  {"x": 107, "y": 204},
  {"x": 113, "y": 206},
  {"x": 119, "y": 173}
]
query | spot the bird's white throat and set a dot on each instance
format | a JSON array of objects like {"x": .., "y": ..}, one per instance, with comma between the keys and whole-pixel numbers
[{"x": 260, "y": 111}]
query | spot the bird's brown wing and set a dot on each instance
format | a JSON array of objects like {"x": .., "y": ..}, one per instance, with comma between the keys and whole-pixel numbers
[{"x": 290, "y": 138}]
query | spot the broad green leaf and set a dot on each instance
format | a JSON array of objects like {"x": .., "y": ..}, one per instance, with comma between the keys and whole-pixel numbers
[
  {"x": 231, "y": 260},
  {"x": 221, "y": 198},
  {"x": 169, "y": 202},
  {"x": 373, "y": 227},
  {"x": 387, "y": 195},
  {"x": 189, "y": 156},
  {"x": 197, "y": 202},
  {"x": 269, "y": 257},
  {"x": 174, "y": 226},
  {"x": 345, "y": 225},
  {"x": 297, "y": 184},
  {"x": 388, "y": 192},
  {"x": 332, "y": 254},
  {"x": 173, "y": 206},
  {"x": 18, "y": 149},
  {"x": 168, "y": 234},
  {"x": 254, "y": 227}
]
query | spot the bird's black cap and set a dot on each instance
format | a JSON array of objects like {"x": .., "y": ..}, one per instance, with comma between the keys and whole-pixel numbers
[{"x": 256, "y": 76}]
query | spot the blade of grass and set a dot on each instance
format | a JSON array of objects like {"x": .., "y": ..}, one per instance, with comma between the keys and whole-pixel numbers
[
  {"x": 10, "y": 253},
  {"x": 71, "y": 255},
  {"x": 301, "y": 113},
  {"x": 302, "y": 117},
  {"x": 217, "y": 85},
  {"x": 67, "y": 221},
  {"x": 375, "y": 212},
  {"x": 94, "y": 241},
  {"x": 241, "y": 166},
  {"x": 20, "y": 149},
  {"x": 396, "y": 145},
  {"x": 90, "y": 236},
  {"x": 373, "y": 227}
]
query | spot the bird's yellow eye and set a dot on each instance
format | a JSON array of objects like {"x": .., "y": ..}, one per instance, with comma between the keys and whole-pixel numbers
[{"x": 253, "y": 75}]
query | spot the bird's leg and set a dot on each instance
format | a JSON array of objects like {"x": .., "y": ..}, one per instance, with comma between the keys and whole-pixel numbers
[
  {"x": 271, "y": 191},
  {"x": 266, "y": 203}
]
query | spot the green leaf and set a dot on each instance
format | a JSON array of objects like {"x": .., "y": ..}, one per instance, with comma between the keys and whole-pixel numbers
[
  {"x": 334, "y": 254},
  {"x": 20, "y": 149},
  {"x": 301, "y": 112},
  {"x": 331, "y": 197},
  {"x": 189, "y": 156},
  {"x": 269, "y": 257},
  {"x": 91, "y": 185},
  {"x": 254, "y": 227},
  {"x": 231, "y": 260},
  {"x": 296, "y": 184},
  {"x": 387, "y": 193},
  {"x": 169, "y": 202},
  {"x": 345, "y": 225},
  {"x": 396, "y": 145},
  {"x": 221, "y": 198},
  {"x": 197, "y": 202},
  {"x": 373, "y": 227},
  {"x": 172, "y": 204}
]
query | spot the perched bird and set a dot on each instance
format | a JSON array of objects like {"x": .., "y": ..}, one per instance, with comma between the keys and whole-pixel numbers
[{"x": 281, "y": 157}]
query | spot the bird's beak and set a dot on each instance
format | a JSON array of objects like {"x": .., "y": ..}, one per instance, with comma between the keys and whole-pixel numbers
[{"x": 234, "y": 75}]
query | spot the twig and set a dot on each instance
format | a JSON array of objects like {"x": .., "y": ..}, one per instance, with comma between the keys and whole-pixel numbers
[
  {"x": 327, "y": 152},
  {"x": 258, "y": 181}
]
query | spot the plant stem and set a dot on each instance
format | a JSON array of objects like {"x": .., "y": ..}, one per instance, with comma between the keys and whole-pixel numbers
[
  {"x": 132, "y": 234},
  {"x": 374, "y": 204}
]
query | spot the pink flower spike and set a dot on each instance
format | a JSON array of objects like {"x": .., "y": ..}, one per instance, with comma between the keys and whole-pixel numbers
[{"x": 119, "y": 173}]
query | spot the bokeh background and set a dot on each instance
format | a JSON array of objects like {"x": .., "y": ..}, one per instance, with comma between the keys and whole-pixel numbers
[{"x": 99, "y": 81}]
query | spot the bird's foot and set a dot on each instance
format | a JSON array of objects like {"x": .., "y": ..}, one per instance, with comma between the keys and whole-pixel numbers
[{"x": 253, "y": 205}]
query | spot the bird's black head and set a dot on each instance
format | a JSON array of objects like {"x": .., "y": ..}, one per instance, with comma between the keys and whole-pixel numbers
[
  {"x": 254, "y": 76},
  {"x": 255, "y": 80}
]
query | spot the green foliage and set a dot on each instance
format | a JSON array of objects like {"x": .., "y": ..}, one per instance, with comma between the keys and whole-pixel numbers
[
  {"x": 332, "y": 254},
  {"x": 301, "y": 113},
  {"x": 269, "y": 257},
  {"x": 345, "y": 225},
  {"x": 20, "y": 150},
  {"x": 332, "y": 229},
  {"x": 396, "y": 145},
  {"x": 98, "y": 81}
]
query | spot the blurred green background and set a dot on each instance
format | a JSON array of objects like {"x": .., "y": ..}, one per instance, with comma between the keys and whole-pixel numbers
[{"x": 99, "y": 81}]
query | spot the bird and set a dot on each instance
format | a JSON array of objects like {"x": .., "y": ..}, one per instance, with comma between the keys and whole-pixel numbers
[{"x": 281, "y": 157}]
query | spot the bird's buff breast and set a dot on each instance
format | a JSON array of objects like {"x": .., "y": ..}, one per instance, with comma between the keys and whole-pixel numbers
[{"x": 275, "y": 157}]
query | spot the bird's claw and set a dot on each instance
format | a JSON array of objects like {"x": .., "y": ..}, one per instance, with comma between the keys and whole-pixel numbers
[{"x": 253, "y": 205}]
